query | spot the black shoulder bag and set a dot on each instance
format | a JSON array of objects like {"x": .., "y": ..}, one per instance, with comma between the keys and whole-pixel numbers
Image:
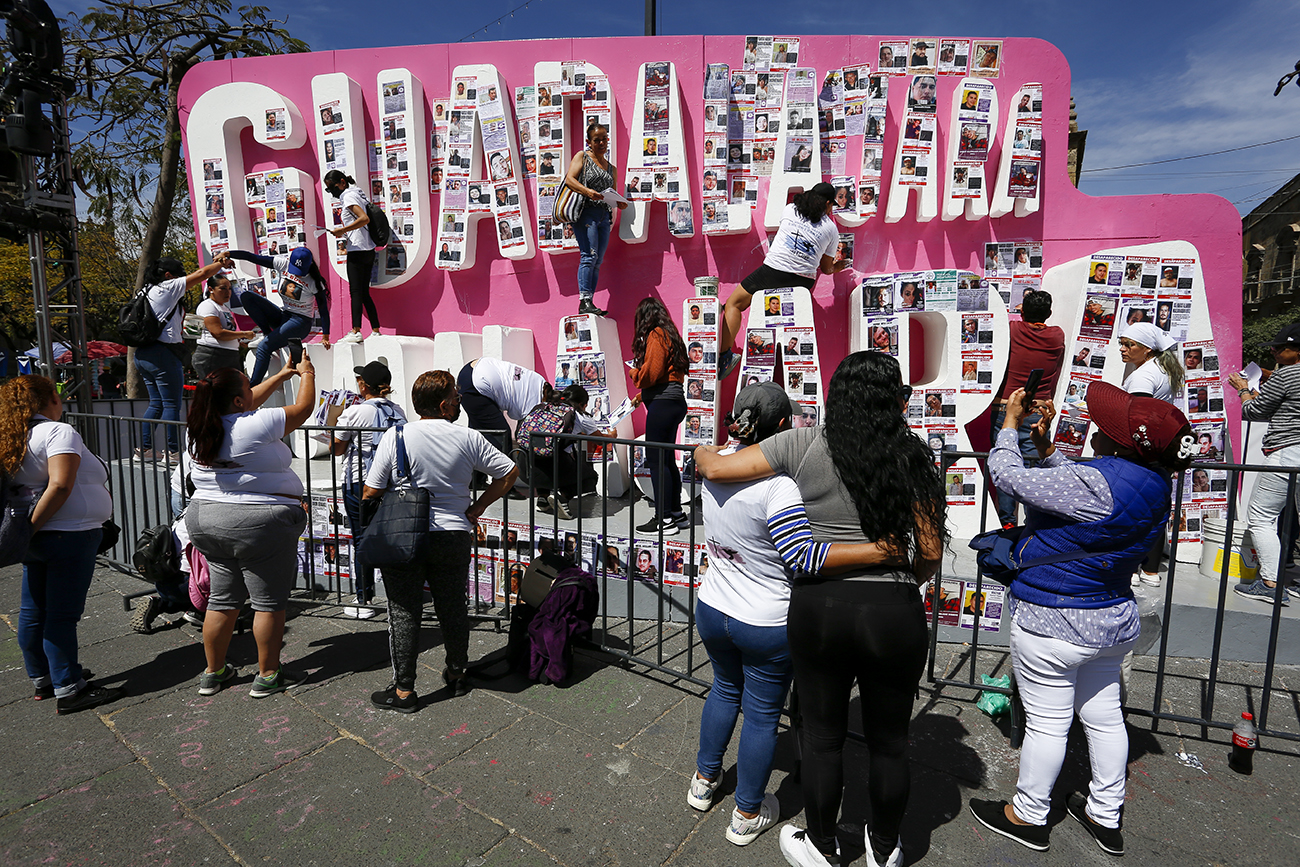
[{"x": 399, "y": 531}]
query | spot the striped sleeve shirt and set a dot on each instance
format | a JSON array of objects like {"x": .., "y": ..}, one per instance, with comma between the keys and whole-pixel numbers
[{"x": 1278, "y": 402}]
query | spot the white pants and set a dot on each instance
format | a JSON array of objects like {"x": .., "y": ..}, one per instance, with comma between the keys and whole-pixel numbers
[
  {"x": 1057, "y": 679},
  {"x": 1266, "y": 506}
]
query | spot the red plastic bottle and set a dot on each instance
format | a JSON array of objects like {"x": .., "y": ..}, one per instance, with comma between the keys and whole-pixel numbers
[{"x": 1244, "y": 741}]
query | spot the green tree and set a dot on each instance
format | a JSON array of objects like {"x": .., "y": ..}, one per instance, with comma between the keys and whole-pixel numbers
[
  {"x": 1261, "y": 329},
  {"x": 129, "y": 60}
]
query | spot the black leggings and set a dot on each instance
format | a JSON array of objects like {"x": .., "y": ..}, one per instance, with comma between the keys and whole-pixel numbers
[
  {"x": 481, "y": 411},
  {"x": 444, "y": 566},
  {"x": 874, "y": 633},
  {"x": 662, "y": 416},
  {"x": 360, "y": 264}
]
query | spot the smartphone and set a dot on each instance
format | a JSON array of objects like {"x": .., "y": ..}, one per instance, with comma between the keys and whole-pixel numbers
[{"x": 1031, "y": 386}]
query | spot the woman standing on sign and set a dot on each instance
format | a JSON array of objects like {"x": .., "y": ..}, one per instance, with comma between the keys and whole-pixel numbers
[
  {"x": 1072, "y": 623},
  {"x": 159, "y": 363},
  {"x": 659, "y": 370},
  {"x": 866, "y": 625},
  {"x": 803, "y": 246},
  {"x": 1158, "y": 372},
  {"x": 590, "y": 174},
  {"x": 361, "y": 250},
  {"x": 47, "y": 459}
]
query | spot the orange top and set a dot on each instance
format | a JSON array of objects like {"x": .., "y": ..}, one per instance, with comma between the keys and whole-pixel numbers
[{"x": 655, "y": 368}]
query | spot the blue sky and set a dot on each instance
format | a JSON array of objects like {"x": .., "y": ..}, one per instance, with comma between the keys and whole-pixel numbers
[{"x": 1151, "y": 80}]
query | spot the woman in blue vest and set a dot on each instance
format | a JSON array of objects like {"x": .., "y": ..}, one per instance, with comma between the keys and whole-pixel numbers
[{"x": 1073, "y": 620}]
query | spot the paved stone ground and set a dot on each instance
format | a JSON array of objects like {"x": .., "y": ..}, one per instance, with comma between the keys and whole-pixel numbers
[{"x": 519, "y": 774}]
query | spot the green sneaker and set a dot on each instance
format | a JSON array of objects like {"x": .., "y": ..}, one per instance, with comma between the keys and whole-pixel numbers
[
  {"x": 210, "y": 682},
  {"x": 278, "y": 682}
]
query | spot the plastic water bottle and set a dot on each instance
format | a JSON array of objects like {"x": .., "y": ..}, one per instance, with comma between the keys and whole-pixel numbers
[{"x": 1244, "y": 741}]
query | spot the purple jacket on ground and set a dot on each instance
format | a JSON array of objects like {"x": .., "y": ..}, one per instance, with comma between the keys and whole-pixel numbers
[{"x": 566, "y": 613}]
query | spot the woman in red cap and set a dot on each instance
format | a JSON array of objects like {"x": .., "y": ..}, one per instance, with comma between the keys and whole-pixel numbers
[{"x": 1073, "y": 620}]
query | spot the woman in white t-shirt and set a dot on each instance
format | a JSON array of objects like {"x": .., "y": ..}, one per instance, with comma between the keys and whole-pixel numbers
[
  {"x": 159, "y": 363},
  {"x": 804, "y": 245},
  {"x": 1157, "y": 372},
  {"x": 759, "y": 537},
  {"x": 218, "y": 343},
  {"x": 246, "y": 514},
  {"x": 361, "y": 250},
  {"x": 442, "y": 458},
  {"x": 48, "y": 461},
  {"x": 374, "y": 384}
]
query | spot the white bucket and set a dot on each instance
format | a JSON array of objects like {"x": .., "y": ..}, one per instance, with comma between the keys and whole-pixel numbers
[
  {"x": 1243, "y": 564},
  {"x": 706, "y": 287}
]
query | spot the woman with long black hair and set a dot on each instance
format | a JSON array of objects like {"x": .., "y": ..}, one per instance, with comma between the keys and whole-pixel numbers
[
  {"x": 361, "y": 250},
  {"x": 303, "y": 293},
  {"x": 865, "y": 625},
  {"x": 659, "y": 359},
  {"x": 246, "y": 514},
  {"x": 804, "y": 245}
]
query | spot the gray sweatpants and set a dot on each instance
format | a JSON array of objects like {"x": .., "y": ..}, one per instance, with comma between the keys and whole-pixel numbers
[{"x": 252, "y": 551}]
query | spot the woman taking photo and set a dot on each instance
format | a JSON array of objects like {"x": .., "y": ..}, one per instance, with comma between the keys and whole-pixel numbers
[
  {"x": 866, "y": 625},
  {"x": 442, "y": 458},
  {"x": 803, "y": 246},
  {"x": 741, "y": 615},
  {"x": 1157, "y": 372},
  {"x": 303, "y": 293},
  {"x": 659, "y": 357},
  {"x": 218, "y": 342},
  {"x": 1072, "y": 623},
  {"x": 590, "y": 174},
  {"x": 361, "y": 250},
  {"x": 246, "y": 515},
  {"x": 47, "y": 459},
  {"x": 159, "y": 363}
]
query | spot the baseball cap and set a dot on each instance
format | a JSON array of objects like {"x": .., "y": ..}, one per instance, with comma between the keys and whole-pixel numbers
[
  {"x": 759, "y": 409},
  {"x": 1155, "y": 429},
  {"x": 300, "y": 262},
  {"x": 825, "y": 190},
  {"x": 375, "y": 374},
  {"x": 1288, "y": 336}
]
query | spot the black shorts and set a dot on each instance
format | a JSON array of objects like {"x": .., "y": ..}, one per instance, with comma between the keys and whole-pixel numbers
[{"x": 764, "y": 278}]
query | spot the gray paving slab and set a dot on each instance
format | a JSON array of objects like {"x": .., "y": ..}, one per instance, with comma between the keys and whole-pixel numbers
[
  {"x": 580, "y": 798},
  {"x": 47, "y": 753},
  {"x": 346, "y": 805},
  {"x": 514, "y": 851},
  {"x": 206, "y": 746},
  {"x": 120, "y": 817},
  {"x": 443, "y": 728}
]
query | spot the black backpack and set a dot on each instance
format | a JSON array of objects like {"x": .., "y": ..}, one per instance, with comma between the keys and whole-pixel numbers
[
  {"x": 379, "y": 228},
  {"x": 156, "y": 558},
  {"x": 137, "y": 324}
]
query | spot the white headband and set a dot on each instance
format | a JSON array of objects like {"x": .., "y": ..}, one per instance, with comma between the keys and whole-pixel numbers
[{"x": 1148, "y": 335}]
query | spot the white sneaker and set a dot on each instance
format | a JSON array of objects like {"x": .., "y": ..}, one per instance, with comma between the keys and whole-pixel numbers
[
  {"x": 1136, "y": 579},
  {"x": 350, "y": 337},
  {"x": 743, "y": 831},
  {"x": 358, "y": 613},
  {"x": 193, "y": 618},
  {"x": 560, "y": 506},
  {"x": 799, "y": 851},
  {"x": 895, "y": 858},
  {"x": 1150, "y": 580},
  {"x": 700, "y": 794}
]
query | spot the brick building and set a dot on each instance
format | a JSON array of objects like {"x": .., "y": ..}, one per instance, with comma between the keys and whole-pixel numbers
[{"x": 1269, "y": 235}]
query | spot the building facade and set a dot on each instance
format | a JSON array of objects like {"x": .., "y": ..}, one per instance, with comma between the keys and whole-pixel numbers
[{"x": 1268, "y": 240}]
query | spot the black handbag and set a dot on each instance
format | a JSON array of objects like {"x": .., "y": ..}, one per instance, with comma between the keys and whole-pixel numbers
[{"x": 399, "y": 531}]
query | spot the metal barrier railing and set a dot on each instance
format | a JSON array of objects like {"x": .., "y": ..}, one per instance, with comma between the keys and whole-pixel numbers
[{"x": 648, "y": 632}]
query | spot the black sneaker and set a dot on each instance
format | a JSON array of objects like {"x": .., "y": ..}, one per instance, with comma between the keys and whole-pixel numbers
[
  {"x": 47, "y": 691},
  {"x": 457, "y": 679},
  {"x": 388, "y": 699},
  {"x": 586, "y": 305},
  {"x": 90, "y": 696},
  {"x": 1111, "y": 840},
  {"x": 667, "y": 525},
  {"x": 992, "y": 815},
  {"x": 146, "y": 609}
]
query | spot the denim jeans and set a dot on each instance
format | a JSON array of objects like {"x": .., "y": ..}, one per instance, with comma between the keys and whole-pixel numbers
[
  {"x": 56, "y": 578},
  {"x": 362, "y": 576},
  {"x": 592, "y": 233},
  {"x": 1007, "y": 503},
  {"x": 278, "y": 327},
  {"x": 751, "y": 672},
  {"x": 1266, "y": 506},
  {"x": 164, "y": 379}
]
